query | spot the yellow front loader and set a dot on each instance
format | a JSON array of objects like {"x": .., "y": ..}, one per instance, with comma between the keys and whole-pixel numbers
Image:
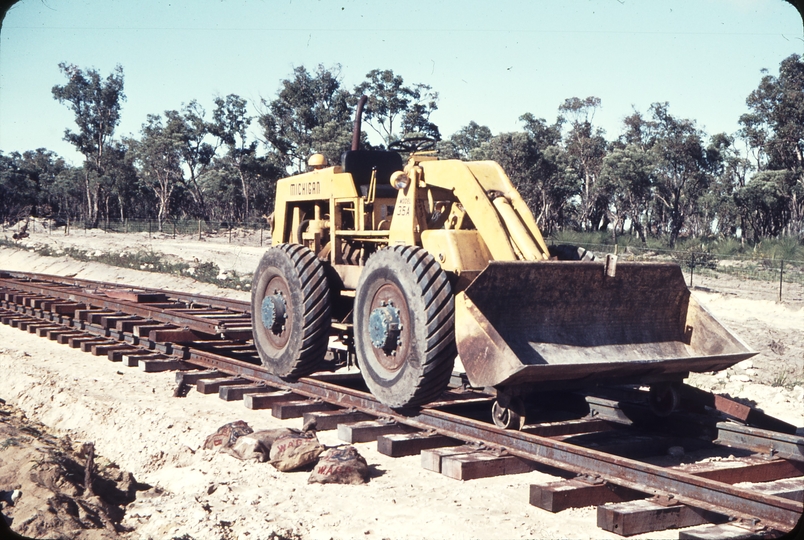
[{"x": 410, "y": 265}]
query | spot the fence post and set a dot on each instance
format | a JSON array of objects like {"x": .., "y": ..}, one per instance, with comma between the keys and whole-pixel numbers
[
  {"x": 174, "y": 230},
  {"x": 692, "y": 267},
  {"x": 781, "y": 274},
  {"x": 149, "y": 228},
  {"x": 230, "y": 232},
  {"x": 262, "y": 228}
]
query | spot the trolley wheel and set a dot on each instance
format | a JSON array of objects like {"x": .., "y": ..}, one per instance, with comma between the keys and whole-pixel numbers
[
  {"x": 663, "y": 398},
  {"x": 404, "y": 326},
  {"x": 508, "y": 413},
  {"x": 290, "y": 310}
]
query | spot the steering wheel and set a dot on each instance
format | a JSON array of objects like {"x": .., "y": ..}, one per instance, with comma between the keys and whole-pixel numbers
[{"x": 413, "y": 144}]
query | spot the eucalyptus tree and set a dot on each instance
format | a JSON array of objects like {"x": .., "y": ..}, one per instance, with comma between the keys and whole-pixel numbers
[
  {"x": 553, "y": 182},
  {"x": 230, "y": 123},
  {"x": 18, "y": 191},
  {"x": 255, "y": 174},
  {"x": 717, "y": 211},
  {"x": 774, "y": 129},
  {"x": 312, "y": 113},
  {"x": 42, "y": 166},
  {"x": 194, "y": 133},
  {"x": 157, "y": 155},
  {"x": 764, "y": 202},
  {"x": 683, "y": 168},
  {"x": 585, "y": 146},
  {"x": 96, "y": 103},
  {"x": 466, "y": 140},
  {"x": 395, "y": 110},
  {"x": 627, "y": 178},
  {"x": 121, "y": 181}
]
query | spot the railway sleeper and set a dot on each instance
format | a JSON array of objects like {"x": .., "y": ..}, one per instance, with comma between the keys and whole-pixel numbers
[
  {"x": 584, "y": 490},
  {"x": 205, "y": 386},
  {"x": 656, "y": 514},
  {"x": 268, "y": 399},
  {"x": 42, "y": 331},
  {"x": 193, "y": 378},
  {"x": 328, "y": 420},
  {"x": 469, "y": 462},
  {"x": 236, "y": 393},
  {"x": 728, "y": 531},
  {"x": 158, "y": 365},
  {"x": 107, "y": 349},
  {"x": 410, "y": 444},
  {"x": 86, "y": 346},
  {"x": 284, "y": 410},
  {"x": 370, "y": 430},
  {"x": 133, "y": 359}
]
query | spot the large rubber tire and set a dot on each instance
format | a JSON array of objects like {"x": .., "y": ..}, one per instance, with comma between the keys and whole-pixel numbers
[
  {"x": 294, "y": 343},
  {"x": 413, "y": 366}
]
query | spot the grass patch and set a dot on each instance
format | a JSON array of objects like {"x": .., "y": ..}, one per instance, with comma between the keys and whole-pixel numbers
[
  {"x": 147, "y": 261},
  {"x": 709, "y": 255}
]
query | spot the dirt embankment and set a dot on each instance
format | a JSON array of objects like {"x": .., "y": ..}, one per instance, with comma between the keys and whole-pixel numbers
[{"x": 55, "y": 488}]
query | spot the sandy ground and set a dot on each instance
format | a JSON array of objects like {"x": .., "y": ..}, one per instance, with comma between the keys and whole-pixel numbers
[{"x": 135, "y": 422}]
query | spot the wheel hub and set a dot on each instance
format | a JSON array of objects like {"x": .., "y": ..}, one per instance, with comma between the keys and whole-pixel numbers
[
  {"x": 274, "y": 312},
  {"x": 385, "y": 326}
]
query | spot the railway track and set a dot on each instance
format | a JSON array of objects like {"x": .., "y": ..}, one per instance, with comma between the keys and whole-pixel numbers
[{"x": 611, "y": 450}]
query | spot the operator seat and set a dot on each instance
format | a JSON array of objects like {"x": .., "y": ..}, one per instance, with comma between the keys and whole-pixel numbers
[{"x": 359, "y": 163}]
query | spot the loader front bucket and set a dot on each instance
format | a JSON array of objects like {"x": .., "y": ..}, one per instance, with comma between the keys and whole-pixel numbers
[{"x": 559, "y": 324}]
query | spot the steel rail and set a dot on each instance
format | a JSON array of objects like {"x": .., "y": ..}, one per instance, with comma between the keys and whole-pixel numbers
[
  {"x": 209, "y": 325},
  {"x": 213, "y": 301},
  {"x": 775, "y": 512}
]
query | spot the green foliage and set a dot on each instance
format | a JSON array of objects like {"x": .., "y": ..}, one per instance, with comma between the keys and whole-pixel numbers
[
  {"x": 785, "y": 248},
  {"x": 148, "y": 261},
  {"x": 774, "y": 129},
  {"x": 157, "y": 156},
  {"x": 692, "y": 253},
  {"x": 660, "y": 182},
  {"x": 582, "y": 238},
  {"x": 627, "y": 180},
  {"x": 584, "y": 150},
  {"x": 311, "y": 114},
  {"x": 727, "y": 247},
  {"x": 241, "y": 162},
  {"x": 465, "y": 141},
  {"x": 394, "y": 110},
  {"x": 765, "y": 202},
  {"x": 96, "y": 104}
]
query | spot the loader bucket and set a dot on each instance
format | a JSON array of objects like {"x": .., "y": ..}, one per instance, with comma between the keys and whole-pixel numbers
[{"x": 567, "y": 324}]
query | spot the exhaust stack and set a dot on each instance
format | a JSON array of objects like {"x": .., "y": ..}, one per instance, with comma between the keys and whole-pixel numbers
[{"x": 358, "y": 122}]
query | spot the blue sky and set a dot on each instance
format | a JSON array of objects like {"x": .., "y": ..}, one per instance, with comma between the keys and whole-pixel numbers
[{"x": 491, "y": 62}]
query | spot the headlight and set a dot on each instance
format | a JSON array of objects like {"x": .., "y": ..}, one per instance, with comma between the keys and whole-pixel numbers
[{"x": 400, "y": 180}]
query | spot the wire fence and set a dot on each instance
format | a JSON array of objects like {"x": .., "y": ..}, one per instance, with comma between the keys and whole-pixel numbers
[
  {"x": 249, "y": 232},
  {"x": 787, "y": 274}
]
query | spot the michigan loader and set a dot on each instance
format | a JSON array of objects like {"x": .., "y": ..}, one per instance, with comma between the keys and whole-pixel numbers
[{"x": 409, "y": 265}]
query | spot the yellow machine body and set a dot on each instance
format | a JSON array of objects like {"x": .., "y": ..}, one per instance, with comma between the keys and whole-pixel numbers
[{"x": 521, "y": 319}]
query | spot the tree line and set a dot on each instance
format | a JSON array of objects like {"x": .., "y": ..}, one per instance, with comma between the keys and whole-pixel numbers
[{"x": 661, "y": 177}]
